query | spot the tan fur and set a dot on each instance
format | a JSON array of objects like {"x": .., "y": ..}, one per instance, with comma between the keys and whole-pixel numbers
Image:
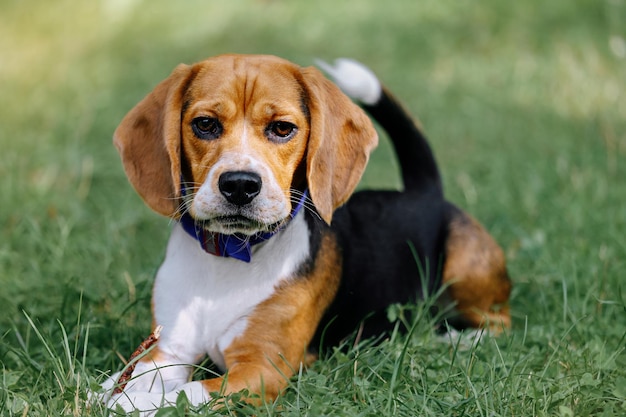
[
  {"x": 337, "y": 152},
  {"x": 148, "y": 141},
  {"x": 476, "y": 276}
]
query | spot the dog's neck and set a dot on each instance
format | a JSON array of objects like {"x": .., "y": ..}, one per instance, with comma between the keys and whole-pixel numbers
[{"x": 237, "y": 245}]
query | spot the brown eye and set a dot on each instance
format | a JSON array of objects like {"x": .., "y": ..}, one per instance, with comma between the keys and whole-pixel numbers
[
  {"x": 280, "y": 131},
  {"x": 206, "y": 127}
]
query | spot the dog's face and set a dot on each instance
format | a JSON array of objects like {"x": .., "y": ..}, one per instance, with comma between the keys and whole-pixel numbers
[
  {"x": 235, "y": 139},
  {"x": 245, "y": 129}
]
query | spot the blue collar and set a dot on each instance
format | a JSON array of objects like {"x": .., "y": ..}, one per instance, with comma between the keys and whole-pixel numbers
[{"x": 237, "y": 245}]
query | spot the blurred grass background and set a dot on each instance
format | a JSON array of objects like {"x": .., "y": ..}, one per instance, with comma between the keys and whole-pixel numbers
[{"x": 525, "y": 105}]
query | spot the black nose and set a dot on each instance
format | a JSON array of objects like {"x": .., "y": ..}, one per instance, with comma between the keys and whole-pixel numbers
[{"x": 239, "y": 187}]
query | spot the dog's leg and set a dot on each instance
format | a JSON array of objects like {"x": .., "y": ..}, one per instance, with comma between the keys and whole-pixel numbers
[
  {"x": 476, "y": 277},
  {"x": 275, "y": 342}
]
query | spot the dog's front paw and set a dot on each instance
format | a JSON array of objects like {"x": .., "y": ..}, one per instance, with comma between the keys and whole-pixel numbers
[
  {"x": 148, "y": 403},
  {"x": 111, "y": 388}
]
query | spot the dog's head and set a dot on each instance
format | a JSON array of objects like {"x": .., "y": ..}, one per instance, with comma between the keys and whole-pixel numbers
[{"x": 235, "y": 139}]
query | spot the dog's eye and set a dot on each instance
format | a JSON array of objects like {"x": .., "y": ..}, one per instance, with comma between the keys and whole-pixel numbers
[
  {"x": 206, "y": 127},
  {"x": 280, "y": 131}
]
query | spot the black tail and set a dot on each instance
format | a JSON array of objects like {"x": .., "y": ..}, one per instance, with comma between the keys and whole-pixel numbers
[{"x": 417, "y": 162}]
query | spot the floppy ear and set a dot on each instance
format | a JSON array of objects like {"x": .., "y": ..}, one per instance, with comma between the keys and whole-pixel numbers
[
  {"x": 340, "y": 141},
  {"x": 148, "y": 140}
]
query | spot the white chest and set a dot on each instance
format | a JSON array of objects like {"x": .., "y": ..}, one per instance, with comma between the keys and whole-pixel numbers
[{"x": 203, "y": 301}]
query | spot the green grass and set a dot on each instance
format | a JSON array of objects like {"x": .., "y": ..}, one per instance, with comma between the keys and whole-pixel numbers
[{"x": 525, "y": 104}]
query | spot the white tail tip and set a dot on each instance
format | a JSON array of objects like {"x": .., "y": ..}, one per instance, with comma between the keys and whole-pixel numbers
[{"x": 355, "y": 79}]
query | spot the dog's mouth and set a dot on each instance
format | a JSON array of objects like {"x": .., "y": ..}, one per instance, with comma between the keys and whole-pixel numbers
[{"x": 237, "y": 224}]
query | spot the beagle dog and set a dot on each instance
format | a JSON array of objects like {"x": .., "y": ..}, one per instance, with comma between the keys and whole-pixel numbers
[{"x": 256, "y": 159}]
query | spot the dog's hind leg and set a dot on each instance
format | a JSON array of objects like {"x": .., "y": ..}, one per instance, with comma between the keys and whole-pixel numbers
[{"x": 475, "y": 276}]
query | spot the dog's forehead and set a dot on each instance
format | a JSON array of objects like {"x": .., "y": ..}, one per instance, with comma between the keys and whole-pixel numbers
[{"x": 247, "y": 77}]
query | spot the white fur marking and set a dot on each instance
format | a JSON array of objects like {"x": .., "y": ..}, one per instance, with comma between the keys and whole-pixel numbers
[{"x": 354, "y": 79}]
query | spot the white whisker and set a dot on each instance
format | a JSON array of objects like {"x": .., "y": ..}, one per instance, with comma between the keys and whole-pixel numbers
[{"x": 307, "y": 204}]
